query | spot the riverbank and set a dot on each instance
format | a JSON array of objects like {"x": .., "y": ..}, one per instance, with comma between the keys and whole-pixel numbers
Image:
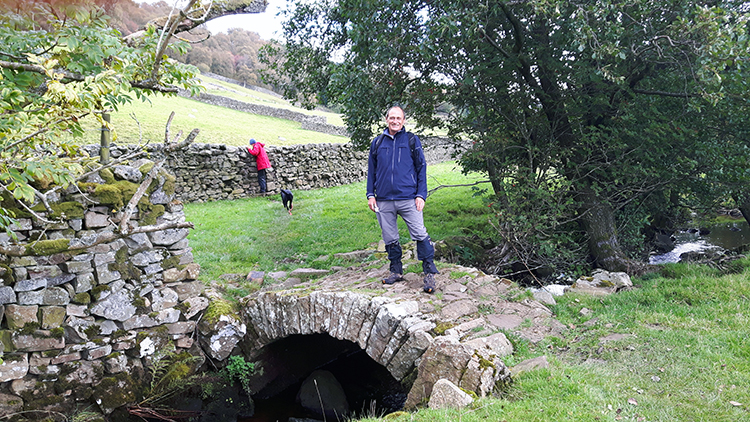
[{"x": 674, "y": 348}]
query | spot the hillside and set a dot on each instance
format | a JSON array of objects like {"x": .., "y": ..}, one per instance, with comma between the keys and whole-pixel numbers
[{"x": 145, "y": 121}]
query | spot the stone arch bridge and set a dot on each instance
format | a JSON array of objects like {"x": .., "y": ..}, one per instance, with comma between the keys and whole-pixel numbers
[{"x": 455, "y": 335}]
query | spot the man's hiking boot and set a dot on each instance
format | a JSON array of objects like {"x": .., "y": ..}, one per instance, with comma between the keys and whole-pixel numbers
[
  {"x": 392, "y": 278},
  {"x": 429, "y": 283}
]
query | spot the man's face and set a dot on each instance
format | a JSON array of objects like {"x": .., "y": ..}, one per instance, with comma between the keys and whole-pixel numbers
[{"x": 395, "y": 120}]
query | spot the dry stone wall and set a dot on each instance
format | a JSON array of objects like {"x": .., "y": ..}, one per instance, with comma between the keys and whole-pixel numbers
[
  {"x": 79, "y": 325},
  {"x": 209, "y": 172}
]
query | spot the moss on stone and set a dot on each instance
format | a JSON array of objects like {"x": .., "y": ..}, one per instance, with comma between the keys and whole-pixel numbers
[
  {"x": 108, "y": 195},
  {"x": 82, "y": 298},
  {"x": 118, "y": 333},
  {"x": 169, "y": 183},
  {"x": 122, "y": 264},
  {"x": 217, "y": 308},
  {"x": 7, "y": 275},
  {"x": 107, "y": 175},
  {"x": 29, "y": 328},
  {"x": 171, "y": 262},
  {"x": 442, "y": 327},
  {"x": 113, "y": 355},
  {"x": 146, "y": 167},
  {"x": 92, "y": 331},
  {"x": 96, "y": 292},
  {"x": 149, "y": 215},
  {"x": 47, "y": 247},
  {"x": 70, "y": 209},
  {"x": 57, "y": 332}
]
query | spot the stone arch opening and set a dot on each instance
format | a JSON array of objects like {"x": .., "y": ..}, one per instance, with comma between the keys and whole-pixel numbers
[{"x": 289, "y": 364}]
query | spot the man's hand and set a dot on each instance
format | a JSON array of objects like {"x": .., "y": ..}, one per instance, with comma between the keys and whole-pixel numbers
[
  {"x": 372, "y": 203},
  {"x": 419, "y": 202}
]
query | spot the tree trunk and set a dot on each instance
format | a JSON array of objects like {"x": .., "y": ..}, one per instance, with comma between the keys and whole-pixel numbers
[
  {"x": 597, "y": 219},
  {"x": 743, "y": 203}
]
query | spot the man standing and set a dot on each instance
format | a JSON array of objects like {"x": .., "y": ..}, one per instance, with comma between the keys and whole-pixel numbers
[
  {"x": 397, "y": 185},
  {"x": 261, "y": 159}
]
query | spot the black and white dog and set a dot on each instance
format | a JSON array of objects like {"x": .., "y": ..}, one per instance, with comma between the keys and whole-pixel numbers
[{"x": 286, "y": 199}]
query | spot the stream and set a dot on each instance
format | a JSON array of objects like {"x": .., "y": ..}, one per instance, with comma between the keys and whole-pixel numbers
[{"x": 721, "y": 236}]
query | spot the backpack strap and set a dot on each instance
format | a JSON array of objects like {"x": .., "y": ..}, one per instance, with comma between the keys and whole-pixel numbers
[{"x": 412, "y": 145}]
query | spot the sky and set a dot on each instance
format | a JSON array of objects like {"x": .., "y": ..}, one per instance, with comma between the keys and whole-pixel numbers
[{"x": 266, "y": 24}]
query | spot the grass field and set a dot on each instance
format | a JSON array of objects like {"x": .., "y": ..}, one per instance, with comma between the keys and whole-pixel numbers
[
  {"x": 146, "y": 121},
  {"x": 257, "y": 233}
]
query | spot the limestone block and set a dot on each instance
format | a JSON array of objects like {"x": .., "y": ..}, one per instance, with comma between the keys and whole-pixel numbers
[
  {"x": 401, "y": 336},
  {"x": 77, "y": 310},
  {"x": 168, "y": 237},
  {"x": 117, "y": 306},
  {"x": 116, "y": 364},
  {"x": 107, "y": 327},
  {"x": 445, "y": 358},
  {"x": 369, "y": 315},
  {"x": 145, "y": 258},
  {"x": 17, "y": 316},
  {"x": 55, "y": 296},
  {"x": 23, "y": 261},
  {"x": 97, "y": 352},
  {"x": 188, "y": 290},
  {"x": 457, "y": 309},
  {"x": 138, "y": 242},
  {"x": 184, "y": 342},
  {"x": 77, "y": 267},
  {"x": 14, "y": 367},
  {"x": 38, "y": 341},
  {"x": 181, "y": 327},
  {"x": 104, "y": 258},
  {"x": 104, "y": 275},
  {"x": 59, "y": 280},
  {"x": 193, "y": 270},
  {"x": 44, "y": 271},
  {"x": 10, "y": 404},
  {"x": 496, "y": 344},
  {"x": 66, "y": 357},
  {"x": 402, "y": 362},
  {"x": 84, "y": 282},
  {"x": 128, "y": 173},
  {"x": 194, "y": 305},
  {"x": 539, "y": 362},
  {"x": 388, "y": 319},
  {"x": 31, "y": 298},
  {"x": 76, "y": 329},
  {"x": 7, "y": 295},
  {"x": 446, "y": 395},
  {"x": 152, "y": 269},
  {"x": 163, "y": 298},
  {"x": 219, "y": 339},
  {"x": 167, "y": 316},
  {"x": 173, "y": 275},
  {"x": 30, "y": 284},
  {"x": 20, "y": 273},
  {"x": 94, "y": 220},
  {"x": 52, "y": 316}
]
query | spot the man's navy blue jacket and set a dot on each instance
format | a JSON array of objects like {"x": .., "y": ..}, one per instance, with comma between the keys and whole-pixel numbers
[{"x": 393, "y": 172}]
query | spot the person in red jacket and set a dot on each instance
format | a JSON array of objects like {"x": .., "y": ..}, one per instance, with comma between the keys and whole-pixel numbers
[{"x": 261, "y": 159}]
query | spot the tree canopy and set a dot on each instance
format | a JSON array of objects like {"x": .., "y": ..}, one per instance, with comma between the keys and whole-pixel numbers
[
  {"x": 591, "y": 118},
  {"x": 60, "y": 64}
]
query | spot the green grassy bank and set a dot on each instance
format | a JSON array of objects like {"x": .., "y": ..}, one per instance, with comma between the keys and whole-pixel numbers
[{"x": 683, "y": 354}]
